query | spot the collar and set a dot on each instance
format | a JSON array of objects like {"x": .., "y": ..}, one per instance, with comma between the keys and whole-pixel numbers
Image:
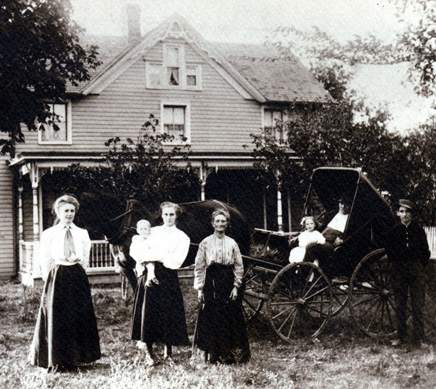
[
  {"x": 166, "y": 228},
  {"x": 63, "y": 227}
]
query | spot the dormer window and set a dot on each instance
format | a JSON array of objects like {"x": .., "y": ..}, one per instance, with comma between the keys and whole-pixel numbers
[{"x": 173, "y": 72}]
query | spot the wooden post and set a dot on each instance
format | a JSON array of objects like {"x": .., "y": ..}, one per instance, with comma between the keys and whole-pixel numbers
[
  {"x": 265, "y": 219},
  {"x": 203, "y": 173},
  {"x": 279, "y": 202},
  {"x": 279, "y": 209},
  {"x": 289, "y": 210},
  {"x": 20, "y": 213}
]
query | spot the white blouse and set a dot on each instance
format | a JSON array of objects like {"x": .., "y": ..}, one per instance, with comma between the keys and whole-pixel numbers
[
  {"x": 338, "y": 222},
  {"x": 307, "y": 237},
  {"x": 224, "y": 251},
  {"x": 51, "y": 250},
  {"x": 170, "y": 246}
]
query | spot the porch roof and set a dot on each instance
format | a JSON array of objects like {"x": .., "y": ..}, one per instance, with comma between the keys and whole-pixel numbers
[{"x": 233, "y": 161}]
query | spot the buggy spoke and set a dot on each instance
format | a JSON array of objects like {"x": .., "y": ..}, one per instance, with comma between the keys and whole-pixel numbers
[
  {"x": 286, "y": 319},
  {"x": 298, "y": 304},
  {"x": 370, "y": 294}
]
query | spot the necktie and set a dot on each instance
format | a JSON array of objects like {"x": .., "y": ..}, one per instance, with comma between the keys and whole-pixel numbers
[{"x": 69, "y": 248}]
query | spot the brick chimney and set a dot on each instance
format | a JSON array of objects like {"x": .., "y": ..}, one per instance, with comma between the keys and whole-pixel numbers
[{"x": 134, "y": 22}]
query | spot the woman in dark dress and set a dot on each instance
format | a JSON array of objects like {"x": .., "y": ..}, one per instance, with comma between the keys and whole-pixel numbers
[
  {"x": 158, "y": 311},
  {"x": 221, "y": 331},
  {"x": 66, "y": 333}
]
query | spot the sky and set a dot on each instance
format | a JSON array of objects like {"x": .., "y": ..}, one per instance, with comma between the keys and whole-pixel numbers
[
  {"x": 248, "y": 21},
  {"x": 244, "y": 20}
]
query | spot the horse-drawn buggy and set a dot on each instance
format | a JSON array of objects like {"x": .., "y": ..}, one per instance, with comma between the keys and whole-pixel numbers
[{"x": 301, "y": 297}]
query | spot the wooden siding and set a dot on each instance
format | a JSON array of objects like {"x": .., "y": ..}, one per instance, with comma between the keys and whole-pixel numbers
[
  {"x": 7, "y": 257},
  {"x": 221, "y": 119}
]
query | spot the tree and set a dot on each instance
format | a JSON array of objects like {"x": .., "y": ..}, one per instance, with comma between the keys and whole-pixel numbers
[
  {"x": 420, "y": 185},
  {"x": 330, "y": 135},
  {"x": 403, "y": 166},
  {"x": 419, "y": 41},
  {"x": 143, "y": 168},
  {"x": 40, "y": 54}
]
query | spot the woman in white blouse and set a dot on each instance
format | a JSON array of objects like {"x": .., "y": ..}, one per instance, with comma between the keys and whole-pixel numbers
[
  {"x": 219, "y": 269},
  {"x": 158, "y": 311},
  {"x": 66, "y": 333}
]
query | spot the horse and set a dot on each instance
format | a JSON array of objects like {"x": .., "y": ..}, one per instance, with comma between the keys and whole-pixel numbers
[{"x": 116, "y": 219}]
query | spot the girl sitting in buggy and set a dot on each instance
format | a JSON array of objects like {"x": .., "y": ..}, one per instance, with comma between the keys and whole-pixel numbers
[
  {"x": 310, "y": 235},
  {"x": 333, "y": 235}
]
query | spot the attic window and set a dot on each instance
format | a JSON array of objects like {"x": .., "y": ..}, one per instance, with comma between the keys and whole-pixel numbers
[
  {"x": 172, "y": 62},
  {"x": 173, "y": 72},
  {"x": 191, "y": 76}
]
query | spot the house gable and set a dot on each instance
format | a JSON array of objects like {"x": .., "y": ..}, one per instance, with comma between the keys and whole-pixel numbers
[{"x": 174, "y": 29}]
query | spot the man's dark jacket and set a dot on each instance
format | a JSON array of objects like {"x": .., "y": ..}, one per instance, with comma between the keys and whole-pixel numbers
[{"x": 406, "y": 245}]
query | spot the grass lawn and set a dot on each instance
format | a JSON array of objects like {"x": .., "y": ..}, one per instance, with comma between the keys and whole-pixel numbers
[{"x": 342, "y": 357}]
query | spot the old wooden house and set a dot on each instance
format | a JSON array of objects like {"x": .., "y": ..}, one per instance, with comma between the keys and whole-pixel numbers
[{"x": 215, "y": 95}]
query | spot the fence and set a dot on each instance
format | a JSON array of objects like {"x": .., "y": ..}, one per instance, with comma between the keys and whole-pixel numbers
[{"x": 431, "y": 238}]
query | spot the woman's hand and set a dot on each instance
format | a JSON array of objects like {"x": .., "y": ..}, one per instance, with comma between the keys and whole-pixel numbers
[
  {"x": 338, "y": 241},
  {"x": 200, "y": 297},
  {"x": 234, "y": 293}
]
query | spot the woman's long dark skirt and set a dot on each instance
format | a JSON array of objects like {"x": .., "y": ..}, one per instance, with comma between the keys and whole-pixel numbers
[
  {"x": 66, "y": 333},
  {"x": 221, "y": 328},
  {"x": 158, "y": 311}
]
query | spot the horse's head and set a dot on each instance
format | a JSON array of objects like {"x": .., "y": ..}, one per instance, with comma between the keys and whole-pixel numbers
[{"x": 102, "y": 213}]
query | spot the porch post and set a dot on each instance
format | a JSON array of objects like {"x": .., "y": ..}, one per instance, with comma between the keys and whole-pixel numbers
[
  {"x": 35, "y": 184},
  {"x": 203, "y": 173},
  {"x": 289, "y": 210},
  {"x": 20, "y": 212},
  {"x": 279, "y": 202},
  {"x": 265, "y": 219}
]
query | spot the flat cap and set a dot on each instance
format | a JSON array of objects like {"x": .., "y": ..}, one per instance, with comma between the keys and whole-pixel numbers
[{"x": 405, "y": 203}]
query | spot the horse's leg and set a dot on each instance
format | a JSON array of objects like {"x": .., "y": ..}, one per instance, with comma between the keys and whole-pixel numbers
[{"x": 128, "y": 272}]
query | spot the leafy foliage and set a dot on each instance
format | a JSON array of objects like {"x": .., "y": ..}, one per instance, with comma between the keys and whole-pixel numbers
[
  {"x": 419, "y": 40},
  {"x": 320, "y": 46},
  {"x": 330, "y": 135},
  {"x": 420, "y": 177},
  {"x": 39, "y": 54},
  {"x": 336, "y": 134}
]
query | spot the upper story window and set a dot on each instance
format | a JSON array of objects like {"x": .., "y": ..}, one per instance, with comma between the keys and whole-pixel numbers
[
  {"x": 172, "y": 62},
  {"x": 176, "y": 121},
  {"x": 57, "y": 129},
  {"x": 273, "y": 124},
  {"x": 173, "y": 72}
]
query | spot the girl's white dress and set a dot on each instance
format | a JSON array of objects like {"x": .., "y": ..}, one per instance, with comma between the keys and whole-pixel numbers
[{"x": 297, "y": 254}]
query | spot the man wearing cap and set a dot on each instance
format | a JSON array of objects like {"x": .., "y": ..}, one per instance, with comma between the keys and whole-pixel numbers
[{"x": 408, "y": 251}]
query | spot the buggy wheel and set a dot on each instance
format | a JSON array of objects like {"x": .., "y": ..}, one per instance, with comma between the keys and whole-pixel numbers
[
  {"x": 371, "y": 300},
  {"x": 299, "y": 301},
  {"x": 339, "y": 295},
  {"x": 254, "y": 294}
]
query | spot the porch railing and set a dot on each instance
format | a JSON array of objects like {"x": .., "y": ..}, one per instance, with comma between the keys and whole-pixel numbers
[
  {"x": 26, "y": 256},
  {"x": 100, "y": 259},
  {"x": 100, "y": 256}
]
